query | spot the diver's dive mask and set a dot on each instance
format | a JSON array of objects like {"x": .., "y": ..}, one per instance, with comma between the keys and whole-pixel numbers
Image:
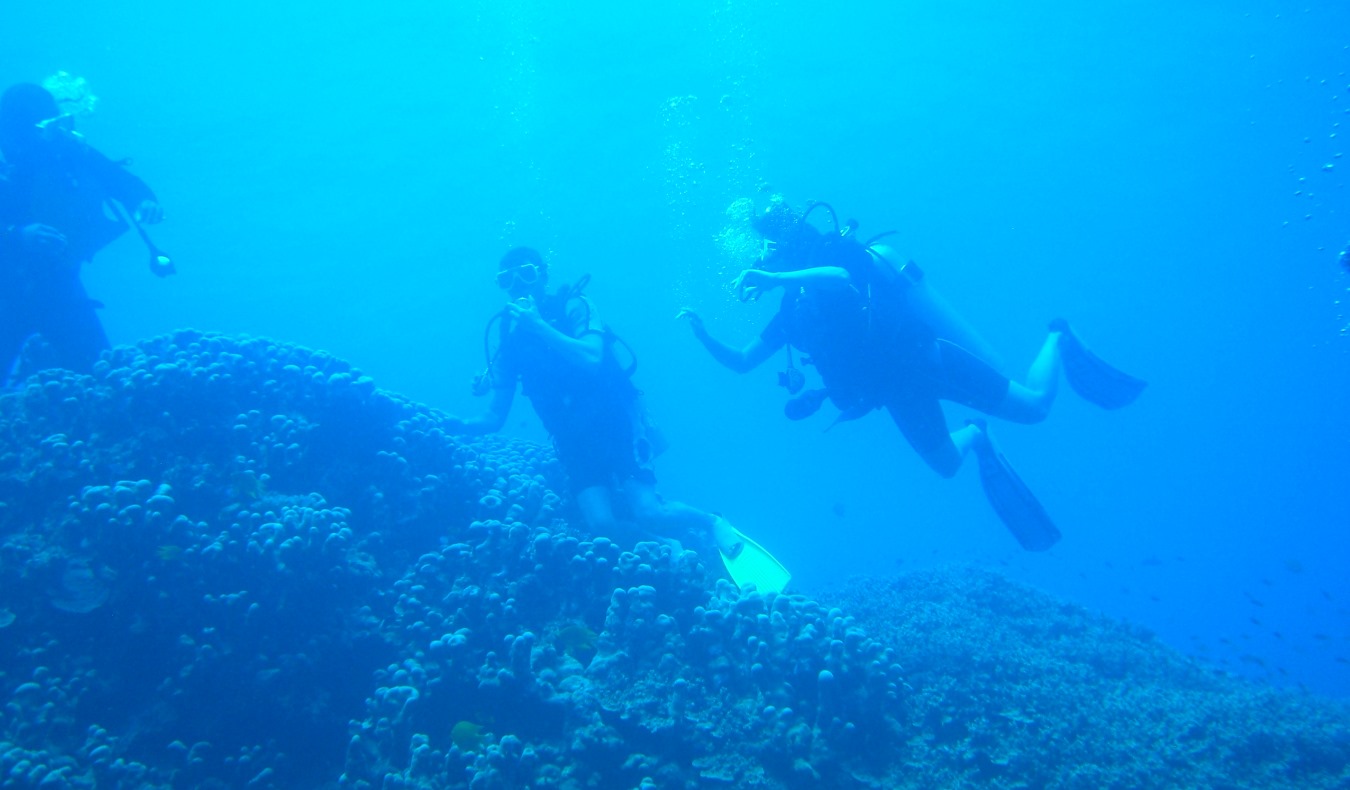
[
  {"x": 526, "y": 274},
  {"x": 58, "y": 130}
]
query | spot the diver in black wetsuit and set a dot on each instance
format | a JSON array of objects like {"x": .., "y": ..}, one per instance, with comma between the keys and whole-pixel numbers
[
  {"x": 880, "y": 337},
  {"x": 56, "y": 213},
  {"x": 572, "y": 369}
]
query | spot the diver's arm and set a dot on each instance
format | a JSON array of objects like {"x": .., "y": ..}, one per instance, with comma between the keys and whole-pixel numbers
[
  {"x": 741, "y": 360},
  {"x": 754, "y": 283},
  {"x": 819, "y": 277},
  {"x": 126, "y": 187},
  {"x": 585, "y": 351},
  {"x": 491, "y": 420}
]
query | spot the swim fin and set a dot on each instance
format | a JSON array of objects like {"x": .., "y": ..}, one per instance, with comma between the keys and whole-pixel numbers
[
  {"x": 1016, "y": 506},
  {"x": 1090, "y": 377},
  {"x": 749, "y": 563}
]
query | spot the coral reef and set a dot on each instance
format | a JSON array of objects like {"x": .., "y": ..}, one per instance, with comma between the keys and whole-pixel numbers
[{"x": 229, "y": 562}]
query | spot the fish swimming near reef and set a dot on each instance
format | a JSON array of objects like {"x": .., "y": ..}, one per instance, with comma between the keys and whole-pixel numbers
[{"x": 467, "y": 736}]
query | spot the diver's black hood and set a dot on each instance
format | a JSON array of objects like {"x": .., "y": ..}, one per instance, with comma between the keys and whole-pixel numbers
[{"x": 22, "y": 107}]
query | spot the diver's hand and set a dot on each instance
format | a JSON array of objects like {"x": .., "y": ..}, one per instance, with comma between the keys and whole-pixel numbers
[
  {"x": 148, "y": 213},
  {"x": 695, "y": 320},
  {"x": 753, "y": 283},
  {"x": 526, "y": 314},
  {"x": 42, "y": 241}
]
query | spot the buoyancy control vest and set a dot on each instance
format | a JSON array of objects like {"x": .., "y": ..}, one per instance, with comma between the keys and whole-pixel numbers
[{"x": 567, "y": 397}]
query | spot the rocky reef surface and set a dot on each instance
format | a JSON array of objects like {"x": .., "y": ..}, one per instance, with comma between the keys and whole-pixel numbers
[{"x": 230, "y": 562}]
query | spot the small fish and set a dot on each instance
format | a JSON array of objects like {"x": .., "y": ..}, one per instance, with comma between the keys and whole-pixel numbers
[{"x": 468, "y": 736}]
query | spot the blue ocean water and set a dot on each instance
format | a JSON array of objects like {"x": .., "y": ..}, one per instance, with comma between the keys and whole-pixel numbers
[{"x": 345, "y": 176}]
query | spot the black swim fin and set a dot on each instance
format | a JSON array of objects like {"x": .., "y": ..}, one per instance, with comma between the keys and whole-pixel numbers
[
  {"x": 1091, "y": 377},
  {"x": 1016, "y": 506}
]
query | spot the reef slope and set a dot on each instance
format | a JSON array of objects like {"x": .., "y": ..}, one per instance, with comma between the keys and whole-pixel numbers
[{"x": 230, "y": 562}]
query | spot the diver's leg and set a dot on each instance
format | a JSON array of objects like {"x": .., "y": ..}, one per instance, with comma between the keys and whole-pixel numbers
[
  {"x": 931, "y": 308},
  {"x": 924, "y": 426},
  {"x": 666, "y": 517},
  {"x": 74, "y": 331},
  {"x": 596, "y": 507},
  {"x": 1031, "y": 402},
  {"x": 598, "y": 510}
]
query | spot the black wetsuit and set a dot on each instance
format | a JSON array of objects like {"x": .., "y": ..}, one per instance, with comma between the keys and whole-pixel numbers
[
  {"x": 64, "y": 184},
  {"x": 594, "y": 415},
  {"x": 872, "y": 352}
]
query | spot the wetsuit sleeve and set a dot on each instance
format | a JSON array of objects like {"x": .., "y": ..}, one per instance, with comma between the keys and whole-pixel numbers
[{"x": 119, "y": 182}]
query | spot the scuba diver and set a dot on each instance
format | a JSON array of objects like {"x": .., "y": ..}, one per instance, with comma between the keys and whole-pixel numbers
[
  {"x": 880, "y": 337},
  {"x": 61, "y": 202},
  {"x": 578, "y": 376}
]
